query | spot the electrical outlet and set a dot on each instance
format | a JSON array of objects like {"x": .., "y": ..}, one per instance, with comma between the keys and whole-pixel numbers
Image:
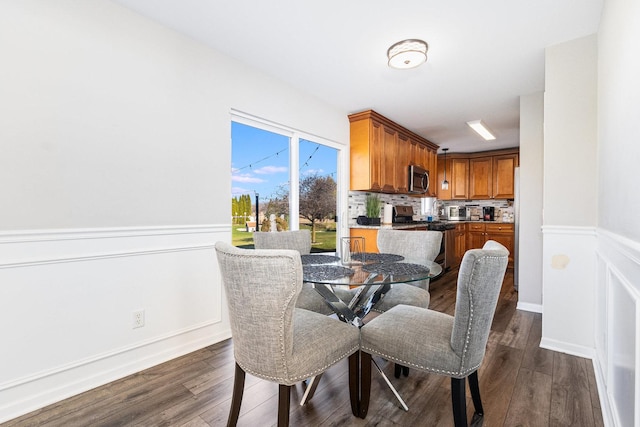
[{"x": 138, "y": 319}]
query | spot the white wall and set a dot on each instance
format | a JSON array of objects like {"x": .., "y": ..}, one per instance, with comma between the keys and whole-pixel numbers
[
  {"x": 115, "y": 183},
  {"x": 618, "y": 252},
  {"x": 570, "y": 196},
  {"x": 530, "y": 225}
]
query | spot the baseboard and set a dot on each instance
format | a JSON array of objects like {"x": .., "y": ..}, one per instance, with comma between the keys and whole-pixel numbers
[
  {"x": 85, "y": 375},
  {"x": 525, "y": 306},
  {"x": 563, "y": 347}
]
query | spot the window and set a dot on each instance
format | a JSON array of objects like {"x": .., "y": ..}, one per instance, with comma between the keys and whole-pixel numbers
[{"x": 291, "y": 177}]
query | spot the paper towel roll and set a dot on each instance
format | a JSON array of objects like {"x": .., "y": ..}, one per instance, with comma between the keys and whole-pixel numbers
[{"x": 388, "y": 214}]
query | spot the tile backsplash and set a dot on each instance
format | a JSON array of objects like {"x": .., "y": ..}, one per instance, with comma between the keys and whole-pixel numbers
[{"x": 504, "y": 208}]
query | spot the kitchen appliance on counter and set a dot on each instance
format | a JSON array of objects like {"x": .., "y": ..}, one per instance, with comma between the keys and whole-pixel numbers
[
  {"x": 402, "y": 214},
  {"x": 457, "y": 213},
  {"x": 488, "y": 213},
  {"x": 474, "y": 213},
  {"x": 418, "y": 180}
]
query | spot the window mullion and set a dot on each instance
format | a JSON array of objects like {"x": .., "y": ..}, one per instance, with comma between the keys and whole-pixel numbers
[{"x": 294, "y": 179}]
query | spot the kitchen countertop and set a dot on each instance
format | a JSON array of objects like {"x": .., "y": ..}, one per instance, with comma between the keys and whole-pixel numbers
[{"x": 403, "y": 226}]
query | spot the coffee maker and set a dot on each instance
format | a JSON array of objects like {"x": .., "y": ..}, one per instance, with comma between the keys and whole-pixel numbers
[{"x": 488, "y": 213}]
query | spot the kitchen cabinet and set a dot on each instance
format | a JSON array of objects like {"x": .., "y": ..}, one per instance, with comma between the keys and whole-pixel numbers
[
  {"x": 480, "y": 182},
  {"x": 458, "y": 177},
  {"x": 381, "y": 152},
  {"x": 370, "y": 238},
  {"x": 503, "y": 176},
  {"x": 459, "y": 244},
  {"x": 479, "y": 176},
  {"x": 479, "y": 233}
]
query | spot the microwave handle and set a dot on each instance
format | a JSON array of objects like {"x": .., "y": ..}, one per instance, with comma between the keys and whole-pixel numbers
[{"x": 425, "y": 180}]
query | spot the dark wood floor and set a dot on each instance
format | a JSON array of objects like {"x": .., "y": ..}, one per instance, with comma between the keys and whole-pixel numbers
[{"x": 521, "y": 385}]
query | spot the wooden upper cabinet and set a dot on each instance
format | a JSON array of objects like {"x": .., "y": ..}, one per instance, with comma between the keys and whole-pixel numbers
[
  {"x": 480, "y": 178},
  {"x": 389, "y": 151},
  {"x": 503, "y": 176},
  {"x": 381, "y": 152},
  {"x": 403, "y": 158},
  {"x": 459, "y": 180},
  {"x": 443, "y": 194}
]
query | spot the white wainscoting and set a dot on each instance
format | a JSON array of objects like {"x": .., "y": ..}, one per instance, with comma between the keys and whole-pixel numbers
[
  {"x": 617, "y": 339},
  {"x": 67, "y": 299},
  {"x": 568, "y": 291}
]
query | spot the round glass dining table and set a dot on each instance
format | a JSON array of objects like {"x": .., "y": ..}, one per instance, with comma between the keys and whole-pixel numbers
[{"x": 352, "y": 289}]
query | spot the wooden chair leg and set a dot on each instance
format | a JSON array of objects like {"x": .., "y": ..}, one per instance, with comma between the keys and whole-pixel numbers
[
  {"x": 236, "y": 399},
  {"x": 284, "y": 398},
  {"x": 365, "y": 383},
  {"x": 458, "y": 400},
  {"x": 475, "y": 393},
  {"x": 354, "y": 382}
]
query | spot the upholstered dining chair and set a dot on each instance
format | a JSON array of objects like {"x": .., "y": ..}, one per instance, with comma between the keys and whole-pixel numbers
[
  {"x": 435, "y": 342},
  {"x": 299, "y": 240},
  {"x": 416, "y": 247},
  {"x": 272, "y": 339}
]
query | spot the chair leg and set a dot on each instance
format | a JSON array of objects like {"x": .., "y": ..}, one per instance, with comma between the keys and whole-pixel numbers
[
  {"x": 475, "y": 393},
  {"x": 236, "y": 399},
  {"x": 365, "y": 383},
  {"x": 284, "y": 398},
  {"x": 397, "y": 370},
  {"x": 354, "y": 382},
  {"x": 458, "y": 400},
  {"x": 405, "y": 371}
]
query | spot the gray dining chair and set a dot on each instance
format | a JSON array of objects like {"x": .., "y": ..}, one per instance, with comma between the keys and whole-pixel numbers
[
  {"x": 435, "y": 342},
  {"x": 299, "y": 240},
  {"x": 416, "y": 247},
  {"x": 272, "y": 339}
]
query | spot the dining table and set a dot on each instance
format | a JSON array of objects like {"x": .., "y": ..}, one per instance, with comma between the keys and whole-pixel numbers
[{"x": 353, "y": 285}]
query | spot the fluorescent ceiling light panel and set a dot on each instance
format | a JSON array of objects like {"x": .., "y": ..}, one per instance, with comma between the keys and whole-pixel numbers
[{"x": 481, "y": 129}]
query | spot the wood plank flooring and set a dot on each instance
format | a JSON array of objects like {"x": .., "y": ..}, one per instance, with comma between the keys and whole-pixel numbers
[{"x": 520, "y": 383}]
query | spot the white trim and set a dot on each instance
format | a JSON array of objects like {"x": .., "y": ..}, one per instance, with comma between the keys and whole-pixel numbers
[
  {"x": 62, "y": 260},
  {"x": 44, "y": 235},
  {"x": 110, "y": 354},
  {"x": 525, "y": 306},
  {"x": 627, "y": 247},
  {"x": 563, "y": 347},
  {"x": 603, "y": 396},
  {"x": 568, "y": 230}
]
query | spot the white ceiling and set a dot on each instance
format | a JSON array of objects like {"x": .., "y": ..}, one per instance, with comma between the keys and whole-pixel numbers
[{"x": 482, "y": 54}]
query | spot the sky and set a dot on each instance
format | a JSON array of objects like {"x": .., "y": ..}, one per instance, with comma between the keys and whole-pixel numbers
[{"x": 260, "y": 161}]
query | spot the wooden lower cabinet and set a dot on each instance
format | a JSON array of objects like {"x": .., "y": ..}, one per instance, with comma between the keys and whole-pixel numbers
[
  {"x": 459, "y": 244},
  {"x": 370, "y": 238},
  {"x": 503, "y": 233}
]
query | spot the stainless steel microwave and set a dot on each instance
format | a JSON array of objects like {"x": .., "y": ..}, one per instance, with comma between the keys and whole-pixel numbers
[{"x": 418, "y": 180}]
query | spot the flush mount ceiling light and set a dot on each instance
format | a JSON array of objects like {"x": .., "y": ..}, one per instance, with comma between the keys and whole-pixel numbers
[
  {"x": 481, "y": 129},
  {"x": 407, "y": 53}
]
